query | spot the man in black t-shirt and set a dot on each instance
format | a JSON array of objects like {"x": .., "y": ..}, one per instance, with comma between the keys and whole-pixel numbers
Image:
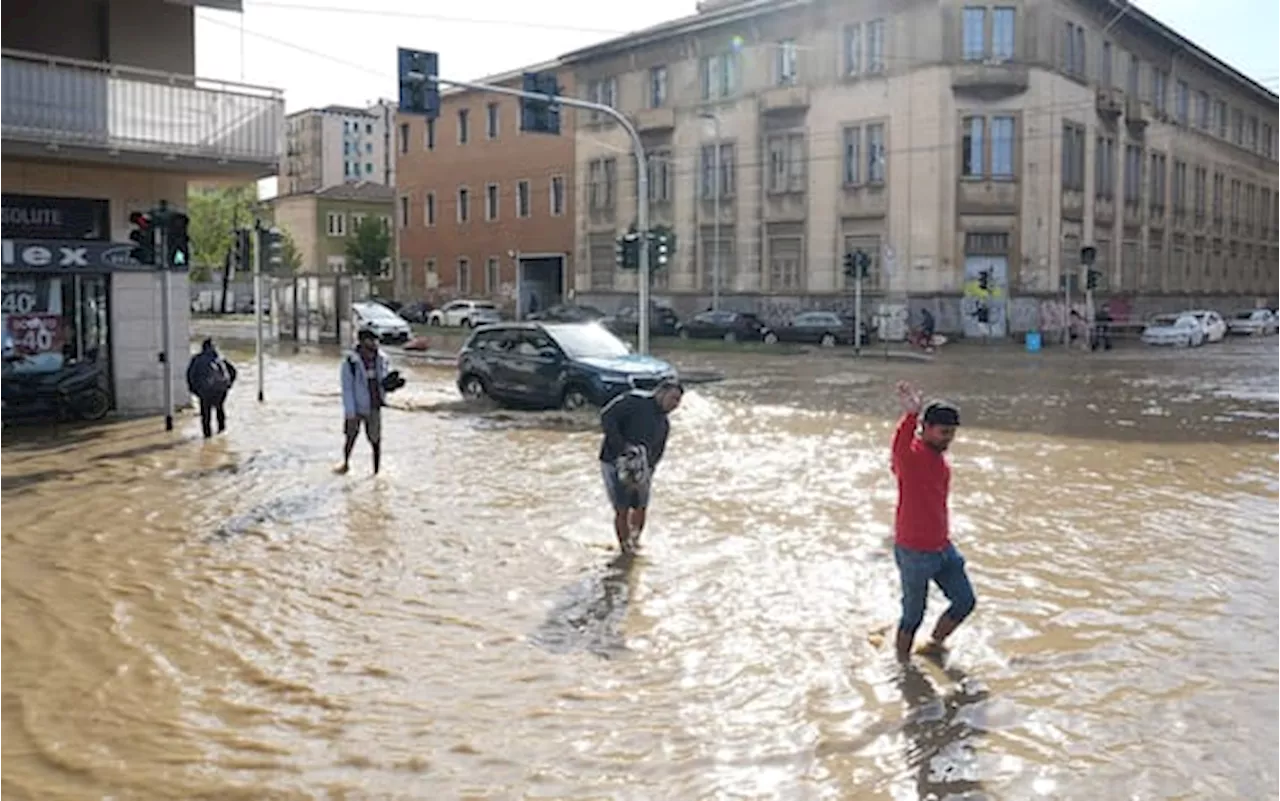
[{"x": 635, "y": 436}]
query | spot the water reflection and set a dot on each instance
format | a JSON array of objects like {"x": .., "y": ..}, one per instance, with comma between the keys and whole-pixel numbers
[
  {"x": 588, "y": 614},
  {"x": 940, "y": 731}
]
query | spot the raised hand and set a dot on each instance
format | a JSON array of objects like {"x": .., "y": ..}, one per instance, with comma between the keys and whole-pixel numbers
[{"x": 909, "y": 397}]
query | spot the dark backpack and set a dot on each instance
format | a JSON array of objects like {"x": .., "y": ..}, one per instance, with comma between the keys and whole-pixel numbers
[{"x": 218, "y": 379}]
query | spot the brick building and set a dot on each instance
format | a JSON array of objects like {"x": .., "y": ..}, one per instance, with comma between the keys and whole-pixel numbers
[{"x": 476, "y": 196}]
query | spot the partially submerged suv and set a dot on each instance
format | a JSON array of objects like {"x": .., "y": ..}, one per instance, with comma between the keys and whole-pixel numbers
[{"x": 553, "y": 365}]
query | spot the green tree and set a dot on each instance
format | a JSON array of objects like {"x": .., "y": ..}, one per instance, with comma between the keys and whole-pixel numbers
[
  {"x": 368, "y": 246},
  {"x": 214, "y": 214},
  {"x": 290, "y": 256}
]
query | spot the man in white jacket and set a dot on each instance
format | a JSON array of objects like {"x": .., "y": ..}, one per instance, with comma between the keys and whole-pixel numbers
[{"x": 363, "y": 372}]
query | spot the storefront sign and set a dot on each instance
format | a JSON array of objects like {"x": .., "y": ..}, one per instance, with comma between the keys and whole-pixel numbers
[
  {"x": 28, "y": 255},
  {"x": 37, "y": 217},
  {"x": 33, "y": 334}
]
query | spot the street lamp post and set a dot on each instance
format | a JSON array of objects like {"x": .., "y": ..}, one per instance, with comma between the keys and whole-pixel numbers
[{"x": 715, "y": 256}]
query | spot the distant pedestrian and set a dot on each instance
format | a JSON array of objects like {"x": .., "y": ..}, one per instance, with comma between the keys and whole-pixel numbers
[
  {"x": 210, "y": 377},
  {"x": 635, "y": 436},
  {"x": 364, "y": 373},
  {"x": 922, "y": 543}
]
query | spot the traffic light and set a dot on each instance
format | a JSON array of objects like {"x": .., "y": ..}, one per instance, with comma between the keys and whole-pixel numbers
[
  {"x": 241, "y": 250},
  {"x": 984, "y": 281},
  {"x": 1091, "y": 279},
  {"x": 540, "y": 116},
  {"x": 419, "y": 93},
  {"x": 271, "y": 240},
  {"x": 177, "y": 242},
  {"x": 664, "y": 246},
  {"x": 857, "y": 264},
  {"x": 143, "y": 236}
]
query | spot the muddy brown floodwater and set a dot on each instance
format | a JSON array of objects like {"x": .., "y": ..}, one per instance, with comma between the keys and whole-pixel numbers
[{"x": 232, "y": 621}]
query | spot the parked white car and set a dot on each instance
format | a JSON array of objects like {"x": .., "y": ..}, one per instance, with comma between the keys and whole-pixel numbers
[
  {"x": 1178, "y": 330},
  {"x": 389, "y": 326},
  {"x": 466, "y": 313},
  {"x": 1259, "y": 322},
  {"x": 1215, "y": 328}
]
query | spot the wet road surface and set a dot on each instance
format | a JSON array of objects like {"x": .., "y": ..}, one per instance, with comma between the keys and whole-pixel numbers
[{"x": 230, "y": 620}]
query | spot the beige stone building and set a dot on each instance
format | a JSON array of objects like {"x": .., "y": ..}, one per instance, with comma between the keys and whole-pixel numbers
[
  {"x": 944, "y": 139},
  {"x": 334, "y": 145}
]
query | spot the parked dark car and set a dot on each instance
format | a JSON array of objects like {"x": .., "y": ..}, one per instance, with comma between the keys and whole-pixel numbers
[
  {"x": 416, "y": 312},
  {"x": 663, "y": 321},
  {"x": 727, "y": 325},
  {"x": 568, "y": 313},
  {"x": 553, "y": 365},
  {"x": 818, "y": 328}
]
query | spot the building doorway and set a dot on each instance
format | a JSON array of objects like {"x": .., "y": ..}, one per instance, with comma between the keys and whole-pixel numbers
[
  {"x": 983, "y": 309},
  {"x": 540, "y": 283}
]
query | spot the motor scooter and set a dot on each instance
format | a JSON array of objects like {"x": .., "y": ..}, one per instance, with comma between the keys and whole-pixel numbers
[{"x": 75, "y": 392}]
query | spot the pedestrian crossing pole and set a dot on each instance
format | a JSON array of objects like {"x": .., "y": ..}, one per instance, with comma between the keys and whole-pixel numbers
[{"x": 257, "y": 304}]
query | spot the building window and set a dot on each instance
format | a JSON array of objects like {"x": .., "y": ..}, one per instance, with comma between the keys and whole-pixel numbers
[
  {"x": 1159, "y": 89},
  {"x": 557, "y": 195},
  {"x": 785, "y": 66},
  {"x": 1235, "y": 206},
  {"x": 384, "y": 270},
  {"x": 972, "y": 142},
  {"x": 1251, "y": 141},
  {"x": 368, "y": 168},
  {"x": 430, "y": 142},
  {"x": 1267, "y": 141},
  {"x": 403, "y": 138},
  {"x": 464, "y": 276},
  {"x": 1073, "y": 53},
  {"x": 1003, "y": 33},
  {"x": 728, "y": 175},
  {"x": 490, "y": 202},
  {"x": 492, "y": 276},
  {"x": 356, "y": 221},
  {"x": 1104, "y": 168},
  {"x": 1182, "y": 102},
  {"x": 1002, "y": 147},
  {"x": 522, "y": 199},
  {"x": 336, "y": 224},
  {"x": 786, "y": 162},
  {"x": 603, "y": 91},
  {"x": 1220, "y": 118},
  {"x": 875, "y": 153},
  {"x": 1218, "y": 185},
  {"x": 660, "y": 177},
  {"x": 973, "y": 44},
  {"x": 600, "y": 183},
  {"x": 1132, "y": 175},
  {"x": 491, "y": 121},
  {"x": 1237, "y": 126},
  {"x": 1179, "y": 201},
  {"x": 404, "y": 211},
  {"x": 464, "y": 204},
  {"x": 432, "y": 276},
  {"x": 718, "y": 74},
  {"x": 336, "y": 264},
  {"x": 1135, "y": 76},
  {"x": 852, "y": 155},
  {"x": 657, "y": 87},
  {"x": 464, "y": 124},
  {"x": 875, "y": 46},
  {"x": 1104, "y": 77},
  {"x": 786, "y": 255},
  {"x": 1199, "y": 189},
  {"x": 429, "y": 209},
  {"x": 1073, "y": 156},
  {"x": 1202, "y": 110},
  {"x": 852, "y": 49},
  {"x": 1157, "y": 183}
]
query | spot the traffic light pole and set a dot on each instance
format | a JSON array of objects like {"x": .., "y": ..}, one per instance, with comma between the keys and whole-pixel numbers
[
  {"x": 257, "y": 306},
  {"x": 642, "y": 177},
  {"x": 857, "y": 312},
  {"x": 166, "y": 356}
]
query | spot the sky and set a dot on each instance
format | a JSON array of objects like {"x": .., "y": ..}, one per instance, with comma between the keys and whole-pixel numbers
[{"x": 323, "y": 52}]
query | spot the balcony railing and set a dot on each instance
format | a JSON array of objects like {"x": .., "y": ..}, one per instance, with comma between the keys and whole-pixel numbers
[{"x": 58, "y": 101}]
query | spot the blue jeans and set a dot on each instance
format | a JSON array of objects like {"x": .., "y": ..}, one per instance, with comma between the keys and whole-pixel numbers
[{"x": 917, "y": 568}]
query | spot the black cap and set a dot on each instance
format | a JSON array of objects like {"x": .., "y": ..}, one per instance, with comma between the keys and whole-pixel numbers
[
  {"x": 941, "y": 413},
  {"x": 669, "y": 383},
  {"x": 367, "y": 333}
]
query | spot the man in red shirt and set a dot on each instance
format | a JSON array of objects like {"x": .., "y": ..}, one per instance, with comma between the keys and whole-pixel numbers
[{"x": 922, "y": 543}]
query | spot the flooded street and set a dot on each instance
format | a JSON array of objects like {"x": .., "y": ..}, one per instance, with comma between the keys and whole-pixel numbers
[{"x": 230, "y": 620}]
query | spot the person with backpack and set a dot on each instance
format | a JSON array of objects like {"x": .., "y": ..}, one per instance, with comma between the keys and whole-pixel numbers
[
  {"x": 366, "y": 380},
  {"x": 210, "y": 377}
]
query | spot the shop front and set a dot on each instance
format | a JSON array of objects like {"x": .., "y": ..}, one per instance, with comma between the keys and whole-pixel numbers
[{"x": 78, "y": 312}]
